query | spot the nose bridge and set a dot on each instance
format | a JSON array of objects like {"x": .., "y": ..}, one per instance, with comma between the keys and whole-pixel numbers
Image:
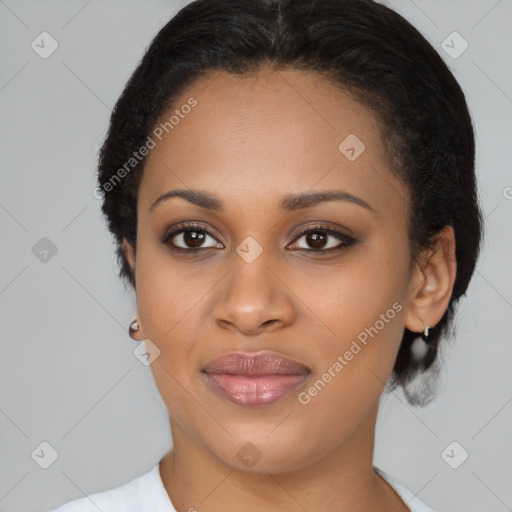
[{"x": 251, "y": 275}]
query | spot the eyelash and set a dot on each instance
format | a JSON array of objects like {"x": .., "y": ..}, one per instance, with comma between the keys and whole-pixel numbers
[{"x": 346, "y": 240}]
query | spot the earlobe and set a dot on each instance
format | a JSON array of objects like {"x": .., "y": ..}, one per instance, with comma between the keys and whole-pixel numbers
[{"x": 433, "y": 282}]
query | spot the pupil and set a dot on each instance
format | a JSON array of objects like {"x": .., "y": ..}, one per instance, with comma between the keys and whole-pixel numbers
[
  {"x": 193, "y": 238},
  {"x": 316, "y": 240}
]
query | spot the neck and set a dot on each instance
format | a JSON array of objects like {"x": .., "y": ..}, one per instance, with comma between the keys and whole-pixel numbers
[{"x": 341, "y": 480}]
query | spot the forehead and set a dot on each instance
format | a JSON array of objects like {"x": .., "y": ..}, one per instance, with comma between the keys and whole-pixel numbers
[{"x": 271, "y": 133}]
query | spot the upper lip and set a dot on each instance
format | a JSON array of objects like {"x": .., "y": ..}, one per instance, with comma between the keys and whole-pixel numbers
[{"x": 260, "y": 364}]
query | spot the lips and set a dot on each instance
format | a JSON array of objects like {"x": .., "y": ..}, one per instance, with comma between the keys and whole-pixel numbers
[{"x": 254, "y": 379}]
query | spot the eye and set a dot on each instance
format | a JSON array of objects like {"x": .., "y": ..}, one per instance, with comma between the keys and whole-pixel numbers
[
  {"x": 317, "y": 238},
  {"x": 190, "y": 238}
]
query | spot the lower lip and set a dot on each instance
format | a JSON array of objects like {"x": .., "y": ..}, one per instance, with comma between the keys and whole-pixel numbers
[{"x": 254, "y": 391}]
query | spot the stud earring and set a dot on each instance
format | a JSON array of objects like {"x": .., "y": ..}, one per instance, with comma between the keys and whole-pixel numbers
[
  {"x": 425, "y": 334},
  {"x": 134, "y": 327}
]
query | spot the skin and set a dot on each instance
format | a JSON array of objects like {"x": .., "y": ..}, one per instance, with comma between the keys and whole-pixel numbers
[{"x": 250, "y": 141}]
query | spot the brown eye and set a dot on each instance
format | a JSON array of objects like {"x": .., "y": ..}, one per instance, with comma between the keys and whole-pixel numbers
[
  {"x": 316, "y": 240},
  {"x": 191, "y": 238},
  {"x": 323, "y": 239}
]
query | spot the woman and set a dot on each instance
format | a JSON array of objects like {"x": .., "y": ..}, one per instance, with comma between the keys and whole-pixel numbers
[{"x": 291, "y": 187}]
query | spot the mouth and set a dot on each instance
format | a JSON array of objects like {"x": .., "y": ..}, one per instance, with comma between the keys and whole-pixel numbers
[{"x": 254, "y": 380}]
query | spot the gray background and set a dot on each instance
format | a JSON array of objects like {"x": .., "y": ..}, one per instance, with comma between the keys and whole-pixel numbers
[{"x": 68, "y": 375}]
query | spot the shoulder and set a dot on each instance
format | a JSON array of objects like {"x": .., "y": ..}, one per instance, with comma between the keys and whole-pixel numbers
[
  {"x": 414, "y": 504},
  {"x": 143, "y": 493}
]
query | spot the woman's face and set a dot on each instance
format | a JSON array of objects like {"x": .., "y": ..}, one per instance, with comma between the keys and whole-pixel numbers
[{"x": 256, "y": 284}]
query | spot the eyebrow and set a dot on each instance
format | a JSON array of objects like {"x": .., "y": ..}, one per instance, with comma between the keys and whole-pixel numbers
[{"x": 288, "y": 203}]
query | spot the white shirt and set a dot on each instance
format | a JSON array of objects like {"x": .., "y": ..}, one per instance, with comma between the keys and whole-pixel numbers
[{"x": 146, "y": 493}]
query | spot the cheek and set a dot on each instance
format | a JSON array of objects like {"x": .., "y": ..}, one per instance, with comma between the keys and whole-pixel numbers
[
  {"x": 358, "y": 314},
  {"x": 170, "y": 295},
  {"x": 352, "y": 294},
  {"x": 170, "y": 302}
]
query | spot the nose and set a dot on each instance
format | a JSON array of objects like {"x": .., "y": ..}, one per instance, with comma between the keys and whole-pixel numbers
[{"x": 253, "y": 299}]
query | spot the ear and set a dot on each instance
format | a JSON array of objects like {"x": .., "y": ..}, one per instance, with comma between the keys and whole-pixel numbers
[
  {"x": 128, "y": 253},
  {"x": 432, "y": 282}
]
